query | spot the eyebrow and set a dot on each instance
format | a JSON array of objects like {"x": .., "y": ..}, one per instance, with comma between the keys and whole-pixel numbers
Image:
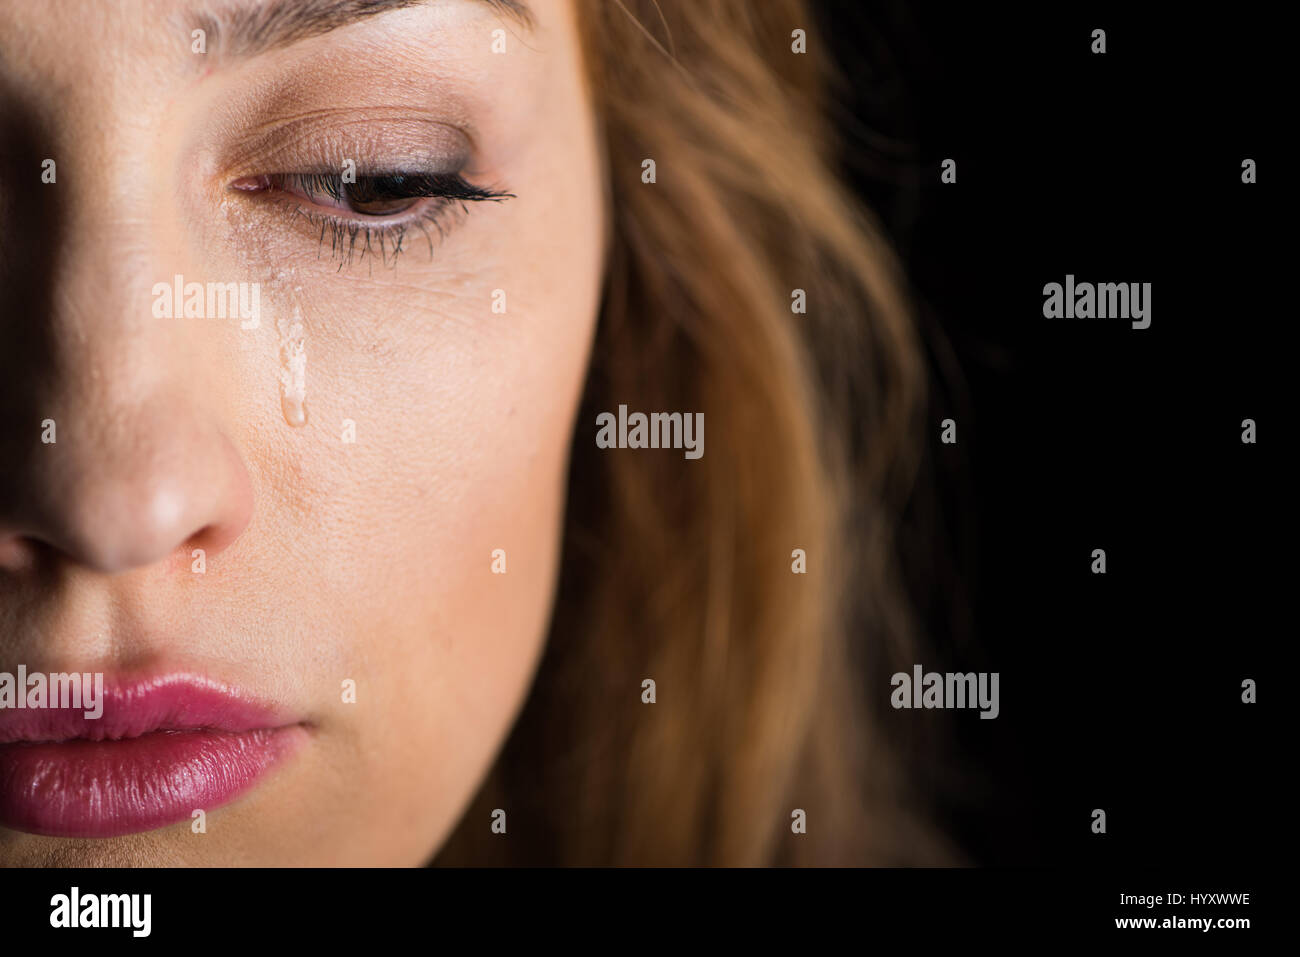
[{"x": 255, "y": 28}]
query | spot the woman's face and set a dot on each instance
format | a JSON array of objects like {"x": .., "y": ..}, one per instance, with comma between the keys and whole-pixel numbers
[{"x": 297, "y": 505}]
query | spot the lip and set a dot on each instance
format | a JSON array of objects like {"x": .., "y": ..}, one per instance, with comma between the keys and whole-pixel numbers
[{"x": 163, "y": 748}]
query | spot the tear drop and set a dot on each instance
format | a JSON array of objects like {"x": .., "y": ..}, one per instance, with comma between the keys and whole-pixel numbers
[
  {"x": 293, "y": 368},
  {"x": 295, "y": 411}
]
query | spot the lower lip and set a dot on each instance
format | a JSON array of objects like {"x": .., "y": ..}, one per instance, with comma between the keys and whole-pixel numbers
[{"x": 84, "y": 788}]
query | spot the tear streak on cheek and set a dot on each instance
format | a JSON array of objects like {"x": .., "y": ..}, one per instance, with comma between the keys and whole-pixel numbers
[{"x": 293, "y": 368}]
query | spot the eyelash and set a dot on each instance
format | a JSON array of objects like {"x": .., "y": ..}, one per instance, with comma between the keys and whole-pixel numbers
[{"x": 355, "y": 238}]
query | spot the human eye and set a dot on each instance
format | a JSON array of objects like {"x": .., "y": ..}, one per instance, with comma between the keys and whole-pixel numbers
[{"x": 371, "y": 213}]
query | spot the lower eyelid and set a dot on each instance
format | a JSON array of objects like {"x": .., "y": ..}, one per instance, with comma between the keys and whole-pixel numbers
[{"x": 349, "y": 239}]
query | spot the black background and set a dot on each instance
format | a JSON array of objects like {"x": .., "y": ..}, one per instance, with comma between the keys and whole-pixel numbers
[{"x": 1119, "y": 691}]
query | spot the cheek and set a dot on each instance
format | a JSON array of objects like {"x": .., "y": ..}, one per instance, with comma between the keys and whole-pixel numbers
[{"x": 463, "y": 418}]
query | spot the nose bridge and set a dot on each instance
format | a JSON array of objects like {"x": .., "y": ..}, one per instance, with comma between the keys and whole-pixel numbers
[
  {"x": 100, "y": 301},
  {"x": 117, "y": 375}
]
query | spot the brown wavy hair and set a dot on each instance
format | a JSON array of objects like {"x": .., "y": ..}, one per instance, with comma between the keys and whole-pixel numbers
[{"x": 768, "y": 683}]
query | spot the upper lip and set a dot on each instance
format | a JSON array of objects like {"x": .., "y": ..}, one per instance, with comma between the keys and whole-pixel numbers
[{"x": 133, "y": 707}]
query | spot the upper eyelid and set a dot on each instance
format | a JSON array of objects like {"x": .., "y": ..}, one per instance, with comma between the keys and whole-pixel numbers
[{"x": 323, "y": 139}]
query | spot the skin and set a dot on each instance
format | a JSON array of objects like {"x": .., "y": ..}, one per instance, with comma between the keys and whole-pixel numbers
[{"x": 325, "y": 560}]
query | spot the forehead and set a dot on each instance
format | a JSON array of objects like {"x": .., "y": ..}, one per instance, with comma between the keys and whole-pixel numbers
[
  {"x": 43, "y": 34},
  {"x": 85, "y": 62}
]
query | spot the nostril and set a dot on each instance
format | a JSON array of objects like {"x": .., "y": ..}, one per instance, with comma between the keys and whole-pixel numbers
[
  {"x": 129, "y": 498},
  {"x": 209, "y": 539}
]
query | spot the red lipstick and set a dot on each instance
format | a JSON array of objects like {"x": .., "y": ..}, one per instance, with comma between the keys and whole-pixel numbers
[{"x": 163, "y": 748}]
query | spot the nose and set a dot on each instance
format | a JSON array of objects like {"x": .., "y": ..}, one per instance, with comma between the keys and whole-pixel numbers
[
  {"x": 114, "y": 444},
  {"x": 113, "y": 453},
  {"x": 126, "y": 490}
]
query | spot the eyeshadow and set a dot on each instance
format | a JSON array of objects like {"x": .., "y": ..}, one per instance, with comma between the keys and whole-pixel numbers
[{"x": 320, "y": 142}]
